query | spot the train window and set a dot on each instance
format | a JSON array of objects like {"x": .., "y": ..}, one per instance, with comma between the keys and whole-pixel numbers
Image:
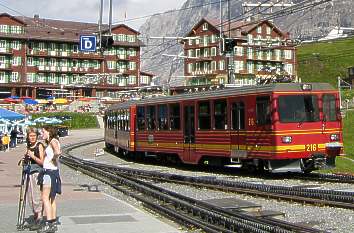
[
  {"x": 122, "y": 118},
  {"x": 238, "y": 116},
  {"x": 220, "y": 114},
  {"x": 162, "y": 117},
  {"x": 175, "y": 119},
  {"x": 127, "y": 113},
  {"x": 263, "y": 110},
  {"x": 329, "y": 107},
  {"x": 204, "y": 115},
  {"x": 141, "y": 118},
  {"x": 150, "y": 117},
  {"x": 115, "y": 120},
  {"x": 298, "y": 108}
]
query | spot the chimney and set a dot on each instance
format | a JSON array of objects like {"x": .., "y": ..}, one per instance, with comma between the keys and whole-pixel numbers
[{"x": 36, "y": 17}]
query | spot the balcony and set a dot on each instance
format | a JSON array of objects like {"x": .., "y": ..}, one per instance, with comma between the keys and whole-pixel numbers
[
  {"x": 123, "y": 57},
  {"x": 204, "y": 72},
  {"x": 6, "y": 51},
  {"x": 5, "y": 66}
]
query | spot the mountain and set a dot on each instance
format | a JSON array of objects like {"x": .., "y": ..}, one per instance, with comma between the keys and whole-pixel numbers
[{"x": 309, "y": 23}]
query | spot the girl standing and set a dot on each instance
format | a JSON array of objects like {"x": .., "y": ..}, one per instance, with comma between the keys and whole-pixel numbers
[
  {"x": 35, "y": 156},
  {"x": 50, "y": 179}
]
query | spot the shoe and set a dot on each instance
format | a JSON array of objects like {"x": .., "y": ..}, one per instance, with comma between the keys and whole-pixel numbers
[{"x": 48, "y": 228}]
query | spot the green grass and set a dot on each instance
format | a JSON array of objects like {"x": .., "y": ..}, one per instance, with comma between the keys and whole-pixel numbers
[
  {"x": 78, "y": 120},
  {"x": 325, "y": 61},
  {"x": 348, "y": 134}
]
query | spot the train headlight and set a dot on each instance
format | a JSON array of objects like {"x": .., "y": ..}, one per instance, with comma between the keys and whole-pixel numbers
[
  {"x": 306, "y": 87},
  {"x": 334, "y": 137},
  {"x": 286, "y": 139}
]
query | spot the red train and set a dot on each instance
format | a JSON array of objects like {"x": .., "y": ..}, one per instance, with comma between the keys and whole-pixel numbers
[{"x": 279, "y": 127}]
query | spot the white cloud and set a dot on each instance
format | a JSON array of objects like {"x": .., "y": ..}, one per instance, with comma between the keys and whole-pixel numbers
[{"x": 87, "y": 10}]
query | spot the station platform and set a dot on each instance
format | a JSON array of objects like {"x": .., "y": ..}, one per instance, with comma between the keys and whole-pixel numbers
[{"x": 79, "y": 210}]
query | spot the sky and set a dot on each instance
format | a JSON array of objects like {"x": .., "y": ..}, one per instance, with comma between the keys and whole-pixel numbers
[{"x": 88, "y": 10}]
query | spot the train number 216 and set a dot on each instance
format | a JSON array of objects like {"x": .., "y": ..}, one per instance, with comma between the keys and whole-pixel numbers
[{"x": 311, "y": 147}]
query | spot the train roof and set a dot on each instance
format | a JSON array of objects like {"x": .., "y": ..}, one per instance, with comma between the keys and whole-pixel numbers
[{"x": 226, "y": 92}]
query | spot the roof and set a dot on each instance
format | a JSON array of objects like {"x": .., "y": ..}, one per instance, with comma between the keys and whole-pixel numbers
[
  {"x": 42, "y": 29},
  {"x": 10, "y": 115},
  {"x": 238, "y": 28},
  {"x": 226, "y": 92}
]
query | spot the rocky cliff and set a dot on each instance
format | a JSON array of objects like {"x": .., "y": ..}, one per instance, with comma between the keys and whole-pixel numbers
[{"x": 309, "y": 23}]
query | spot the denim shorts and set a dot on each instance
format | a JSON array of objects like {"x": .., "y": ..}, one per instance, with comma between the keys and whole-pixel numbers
[{"x": 46, "y": 180}]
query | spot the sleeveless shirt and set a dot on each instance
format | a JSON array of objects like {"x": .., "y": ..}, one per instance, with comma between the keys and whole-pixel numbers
[{"x": 49, "y": 155}]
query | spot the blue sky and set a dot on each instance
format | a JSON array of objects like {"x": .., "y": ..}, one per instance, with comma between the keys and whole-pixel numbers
[{"x": 87, "y": 10}]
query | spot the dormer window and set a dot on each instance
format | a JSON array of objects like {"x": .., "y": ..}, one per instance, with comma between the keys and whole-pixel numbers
[{"x": 205, "y": 26}]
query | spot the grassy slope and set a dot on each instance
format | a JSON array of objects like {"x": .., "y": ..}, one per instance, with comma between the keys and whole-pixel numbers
[{"x": 324, "y": 62}]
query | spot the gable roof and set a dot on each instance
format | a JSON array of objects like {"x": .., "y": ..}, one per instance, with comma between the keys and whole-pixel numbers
[
  {"x": 13, "y": 18},
  {"x": 238, "y": 28}
]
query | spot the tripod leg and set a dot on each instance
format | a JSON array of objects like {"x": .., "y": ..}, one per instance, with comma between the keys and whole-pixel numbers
[
  {"x": 20, "y": 202},
  {"x": 23, "y": 200}
]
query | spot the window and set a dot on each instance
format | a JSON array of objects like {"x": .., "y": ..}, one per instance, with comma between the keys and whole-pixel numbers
[
  {"x": 52, "y": 78},
  {"x": 329, "y": 107},
  {"x": 213, "y": 38},
  {"x": 162, "y": 117},
  {"x": 288, "y": 68},
  {"x": 221, "y": 65},
  {"x": 238, "y": 50},
  {"x": 204, "y": 115},
  {"x": 213, "y": 65},
  {"x": 250, "y": 67},
  {"x": 298, "y": 108},
  {"x": 141, "y": 117},
  {"x": 16, "y": 61},
  {"x": 2, "y": 77},
  {"x": 131, "y": 38},
  {"x": 213, "y": 51},
  {"x": 14, "y": 77},
  {"x": 269, "y": 30},
  {"x": 175, "y": 117},
  {"x": 238, "y": 66},
  {"x": 132, "y": 65},
  {"x": 238, "y": 116},
  {"x": 205, "y": 26},
  {"x": 205, "y": 40},
  {"x": 197, "y": 53},
  {"x": 16, "y": 45},
  {"x": 31, "y": 77},
  {"x": 151, "y": 117},
  {"x": 259, "y": 29},
  {"x": 41, "y": 46},
  {"x": 190, "y": 67},
  {"x": 250, "y": 52},
  {"x": 220, "y": 114},
  {"x": 111, "y": 65},
  {"x": 250, "y": 38},
  {"x": 132, "y": 80},
  {"x": 263, "y": 114},
  {"x": 75, "y": 48}
]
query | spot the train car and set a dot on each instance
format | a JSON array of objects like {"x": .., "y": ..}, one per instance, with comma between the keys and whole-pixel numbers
[{"x": 279, "y": 127}]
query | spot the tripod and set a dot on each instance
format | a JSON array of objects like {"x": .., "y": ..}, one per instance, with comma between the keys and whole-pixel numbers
[{"x": 25, "y": 179}]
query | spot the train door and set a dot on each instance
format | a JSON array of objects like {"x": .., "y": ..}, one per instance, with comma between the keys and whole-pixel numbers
[
  {"x": 238, "y": 144},
  {"x": 189, "y": 132}
]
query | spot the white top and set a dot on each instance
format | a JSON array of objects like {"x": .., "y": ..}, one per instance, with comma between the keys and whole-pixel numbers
[{"x": 49, "y": 154}]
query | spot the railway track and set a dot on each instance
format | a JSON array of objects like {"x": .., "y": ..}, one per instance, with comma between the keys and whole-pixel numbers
[{"x": 184, "y": 209}]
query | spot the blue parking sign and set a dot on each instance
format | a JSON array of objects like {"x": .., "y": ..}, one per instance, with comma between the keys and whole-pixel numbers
[{"x": 88, "y": 43}]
